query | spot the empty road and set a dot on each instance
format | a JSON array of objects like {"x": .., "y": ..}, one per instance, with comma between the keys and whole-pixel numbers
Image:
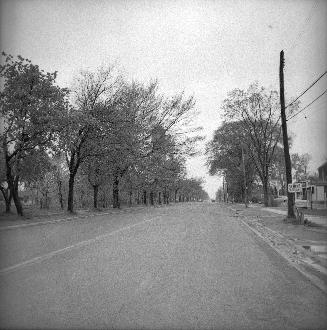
[{"x": 191, "y": 266}]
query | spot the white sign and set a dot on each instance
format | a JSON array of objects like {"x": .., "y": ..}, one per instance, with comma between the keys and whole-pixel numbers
[{"x": 294, "y": 187}]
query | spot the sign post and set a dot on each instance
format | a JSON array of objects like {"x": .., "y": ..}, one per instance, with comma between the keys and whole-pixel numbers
[{"x": 294, "y": 187}]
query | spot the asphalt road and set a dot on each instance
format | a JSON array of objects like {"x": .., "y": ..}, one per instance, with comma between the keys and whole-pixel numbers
[{"x": 191, "y": 266}]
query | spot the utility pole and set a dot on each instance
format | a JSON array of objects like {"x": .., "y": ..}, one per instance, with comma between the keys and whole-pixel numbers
[
  {"x": 290, "y": 196},
  {"x": 244, "y": 177}
]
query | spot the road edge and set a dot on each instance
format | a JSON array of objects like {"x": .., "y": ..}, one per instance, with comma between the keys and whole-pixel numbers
[{"x": 316, "y": 281}]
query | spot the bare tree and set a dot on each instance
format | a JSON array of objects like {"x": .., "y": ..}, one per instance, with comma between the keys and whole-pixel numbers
[
  {"x": 93, "y": 96},
  {"x": 257, "y": 111}
]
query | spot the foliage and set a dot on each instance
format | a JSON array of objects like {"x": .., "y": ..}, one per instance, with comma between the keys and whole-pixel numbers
[
  {"x": 31, "y": 105},
  {"x": 224, "y": 156},
  {"x": 257, "y": 111},
  {"x": 300, "y": 166},
  {"x": 104, "y": 131}
]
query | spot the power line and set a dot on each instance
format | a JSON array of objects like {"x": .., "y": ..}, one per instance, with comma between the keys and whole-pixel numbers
[
  {"x": 307, "y": 105},
  {"x": 306, "y": 89},
  {"x": 306, "y": 115}
]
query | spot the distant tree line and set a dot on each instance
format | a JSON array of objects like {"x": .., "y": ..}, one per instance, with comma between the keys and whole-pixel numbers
[
  {"x": 104, "y": 141},
  {"x": 247, "y": 148}
]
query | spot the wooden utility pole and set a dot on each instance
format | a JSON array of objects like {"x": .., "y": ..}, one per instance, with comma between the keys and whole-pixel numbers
[{"x": 290, "y": 196}]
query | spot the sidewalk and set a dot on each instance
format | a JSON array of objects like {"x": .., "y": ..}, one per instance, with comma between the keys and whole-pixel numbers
[
  {"x": 304, "y": 247},
  {"x": 312, "y": 219}
]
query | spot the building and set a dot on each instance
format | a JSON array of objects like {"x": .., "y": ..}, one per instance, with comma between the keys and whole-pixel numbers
[
  {"x": 319, "y": 188},
  {"x": 322, "y": 172}
]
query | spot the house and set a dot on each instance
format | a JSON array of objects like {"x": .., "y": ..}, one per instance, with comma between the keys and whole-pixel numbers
[
  {"x": 322, "y": 172},
  {"x": 314, "y": 192},
  {"x": 319, "y": 188}
]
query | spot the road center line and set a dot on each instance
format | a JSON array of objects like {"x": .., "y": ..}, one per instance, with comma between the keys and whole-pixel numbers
[{"x": 68, "y": 248}]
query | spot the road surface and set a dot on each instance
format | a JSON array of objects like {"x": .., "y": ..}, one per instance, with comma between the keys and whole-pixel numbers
[{"x": 191, "y": 266}]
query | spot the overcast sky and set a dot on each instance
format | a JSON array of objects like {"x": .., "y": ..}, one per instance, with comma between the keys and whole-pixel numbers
[{"x": 205, "y": 48}]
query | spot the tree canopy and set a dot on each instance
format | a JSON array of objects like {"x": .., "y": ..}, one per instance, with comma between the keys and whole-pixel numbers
[
  {"x": 31, "y": 106},
  {"x": 104, "y": 131},
  {"x": 252, "y": 122}
]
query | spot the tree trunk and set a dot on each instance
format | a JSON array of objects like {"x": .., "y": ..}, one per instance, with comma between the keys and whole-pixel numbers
[
  {"x": 151, "y": 198},
  {"x": 7, "y": 197},
  {"x": 8, "y": 203},
  {"x": 95, "y": 196},
  {"x": 103, "y": 200},
  {"x": 165, "y": 196},
  {"x": 16, "y": 199},
  {"x": 70, "y": 206},
  {"x": 13, "y": 187},
  {"x": 176, "y": 190},
  {"x": 17, "y": 202},
  {"x": 144, "y": 197},
  {"x": 159, "y": 197},
  {"x": 73, "y": 167},
  {"x": 12, "y": 181},
  {"x": 60, "y": 197},
  {"x": 46, "y": 200},
  {"x": 115, "y": 193},
  {"x": 265, "y": 193},
  {"x": 130, "y": 198}
]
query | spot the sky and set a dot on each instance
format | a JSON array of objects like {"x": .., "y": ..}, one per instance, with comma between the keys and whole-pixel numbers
[{"x": 204, "y": 48}]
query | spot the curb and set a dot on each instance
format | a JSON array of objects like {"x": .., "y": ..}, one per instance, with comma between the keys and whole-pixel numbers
[{"x": 314, "y": 279}]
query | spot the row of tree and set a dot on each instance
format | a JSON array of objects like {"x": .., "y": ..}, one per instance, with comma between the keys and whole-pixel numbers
[
  {"x": 247, "y": 148},
  {"x": 105, "y": 128}
]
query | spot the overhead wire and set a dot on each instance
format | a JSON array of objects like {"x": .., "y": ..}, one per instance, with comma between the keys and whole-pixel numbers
[
  {"x": 306, "y": 90},
  {"x": 292, "y": 48},
  {"x": 318, "y": 106},
  {"x": 294, "y": 115}
]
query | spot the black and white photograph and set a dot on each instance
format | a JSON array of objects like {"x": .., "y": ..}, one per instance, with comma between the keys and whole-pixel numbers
[{"x": 163, "y": 164}]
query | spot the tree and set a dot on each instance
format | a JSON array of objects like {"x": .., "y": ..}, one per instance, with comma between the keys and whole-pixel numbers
[
  {"x": 277, "y": 170},
  {"x": 97, "y": 170},
  {"x": 37, "y": 173},
  {"x": 30, "y": 105},
  {"x": 191, "y": 190},
  {"x": 227, "y": 154},
  {"x": 88, "y": 120},
  {"x": 3, "y": 183},
  {"x": 135, "y": 111},
  {"x": 257, "y": 111},
  {"x": 144, "y": 122},
  {"x": 300, "y": 165}
]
